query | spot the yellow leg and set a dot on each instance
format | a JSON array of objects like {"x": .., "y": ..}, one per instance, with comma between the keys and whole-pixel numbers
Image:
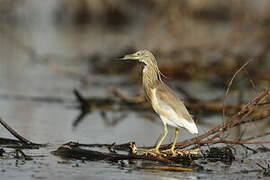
[
  {"x": 164, "y": 134},
  {"x": 175, "y": 138},
  {"x": 156, "y": 149},
  {"x": 174, "y": 142}
]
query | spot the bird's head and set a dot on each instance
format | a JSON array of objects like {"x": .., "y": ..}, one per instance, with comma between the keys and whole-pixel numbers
[
  {"x": 149, "y": 61},
  {"x": 143, "y": 56}
]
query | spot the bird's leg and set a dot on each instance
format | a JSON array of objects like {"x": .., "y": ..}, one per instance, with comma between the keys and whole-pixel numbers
[
  {"x": 174, "y": 142},
  {"x": 156, "y": 149},
  {"x": 164, "y": 134},
  {"x": 175, "y": 138}
]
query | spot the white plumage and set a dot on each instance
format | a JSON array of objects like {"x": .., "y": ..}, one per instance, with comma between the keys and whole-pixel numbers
[{"x": 171, "y": 118}]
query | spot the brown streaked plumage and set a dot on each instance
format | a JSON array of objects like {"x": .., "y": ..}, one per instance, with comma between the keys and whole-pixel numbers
[{"x": 165, "y": 102}]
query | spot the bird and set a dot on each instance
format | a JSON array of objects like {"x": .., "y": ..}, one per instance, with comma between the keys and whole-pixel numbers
[{"x": 163, "y": 99}]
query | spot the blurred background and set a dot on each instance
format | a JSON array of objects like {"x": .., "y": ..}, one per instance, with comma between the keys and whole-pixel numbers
[{"x": 48, "y": 48}]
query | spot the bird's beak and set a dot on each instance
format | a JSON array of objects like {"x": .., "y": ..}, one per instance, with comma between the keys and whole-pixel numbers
[{"x": 130, "y": 57}]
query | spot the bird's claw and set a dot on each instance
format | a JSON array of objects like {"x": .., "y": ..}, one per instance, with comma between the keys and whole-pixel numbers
[{"x": 170, "y": 151}]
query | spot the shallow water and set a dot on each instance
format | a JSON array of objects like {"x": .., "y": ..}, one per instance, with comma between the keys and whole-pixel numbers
[
  {"x": 51, "y": 122},
  {"x": 45, "y": 122}
]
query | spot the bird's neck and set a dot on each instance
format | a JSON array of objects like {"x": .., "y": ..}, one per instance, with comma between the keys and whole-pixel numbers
[{"x": 151, "y": 77}]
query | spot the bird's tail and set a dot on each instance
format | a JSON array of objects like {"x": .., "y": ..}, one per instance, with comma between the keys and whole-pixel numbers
[{"x": 190, "y": 126}]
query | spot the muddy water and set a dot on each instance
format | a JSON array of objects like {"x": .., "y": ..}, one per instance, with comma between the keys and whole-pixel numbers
[
  {"x": 23, "y": 74},
  {"x": 46, "y": 122},
  {"x": 51, "y": 122}
]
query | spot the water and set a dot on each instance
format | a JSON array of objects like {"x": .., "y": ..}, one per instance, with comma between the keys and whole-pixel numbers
[
  {"x": 23, "y": 73},
  {"x": 45, "y": 122}
]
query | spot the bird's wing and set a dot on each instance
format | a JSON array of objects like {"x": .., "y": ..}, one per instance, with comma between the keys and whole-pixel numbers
[{"x": 167, "y": 96}]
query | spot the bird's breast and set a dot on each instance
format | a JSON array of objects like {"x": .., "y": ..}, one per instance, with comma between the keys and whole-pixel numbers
[
  {"x": 157, "y": 104},
  {"x": 153, "y": 99}
]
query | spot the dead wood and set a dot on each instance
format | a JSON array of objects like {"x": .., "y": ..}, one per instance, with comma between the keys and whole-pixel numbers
[
  {"x": 21, "y": 143},
  {"x": 115, "y": 153},
  {"x": 215, "y": 134}
]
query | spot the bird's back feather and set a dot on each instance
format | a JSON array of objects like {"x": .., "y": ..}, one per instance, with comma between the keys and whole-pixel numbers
[
  {"x": 170, "y": 108},
  {"x": 166, "y": 103}
]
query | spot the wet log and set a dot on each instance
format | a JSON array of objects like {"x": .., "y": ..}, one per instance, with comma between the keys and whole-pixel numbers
[{"x": 128, "y": 151}]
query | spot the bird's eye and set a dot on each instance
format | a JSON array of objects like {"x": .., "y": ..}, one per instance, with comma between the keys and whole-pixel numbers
[{"x": 138, "y": 54}]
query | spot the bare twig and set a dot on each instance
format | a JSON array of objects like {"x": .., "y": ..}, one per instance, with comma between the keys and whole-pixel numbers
[
  {"x": 230, "y": 84},
  {"x": 14, "y": 133},
  {"x": 236, "y": 120},
  {"x": 22, "y": 143}
]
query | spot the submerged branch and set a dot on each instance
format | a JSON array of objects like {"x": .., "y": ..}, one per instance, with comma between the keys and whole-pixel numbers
[
  {"x": 14, "y": 133},
  {"x": 21, "y": 143}
]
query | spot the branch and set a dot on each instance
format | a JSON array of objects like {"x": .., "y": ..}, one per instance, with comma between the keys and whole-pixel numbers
[
  {"x": 236, "y": 120},
  {"x": 14, "y": 133},
  {"x": 22, "y": 143}
]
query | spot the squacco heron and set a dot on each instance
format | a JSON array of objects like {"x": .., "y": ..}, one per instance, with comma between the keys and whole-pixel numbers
[{"x": 164, "y": 101}]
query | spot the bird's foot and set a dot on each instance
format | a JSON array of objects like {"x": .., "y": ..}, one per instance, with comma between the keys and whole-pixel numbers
[{"x": 170, "y": 151}]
